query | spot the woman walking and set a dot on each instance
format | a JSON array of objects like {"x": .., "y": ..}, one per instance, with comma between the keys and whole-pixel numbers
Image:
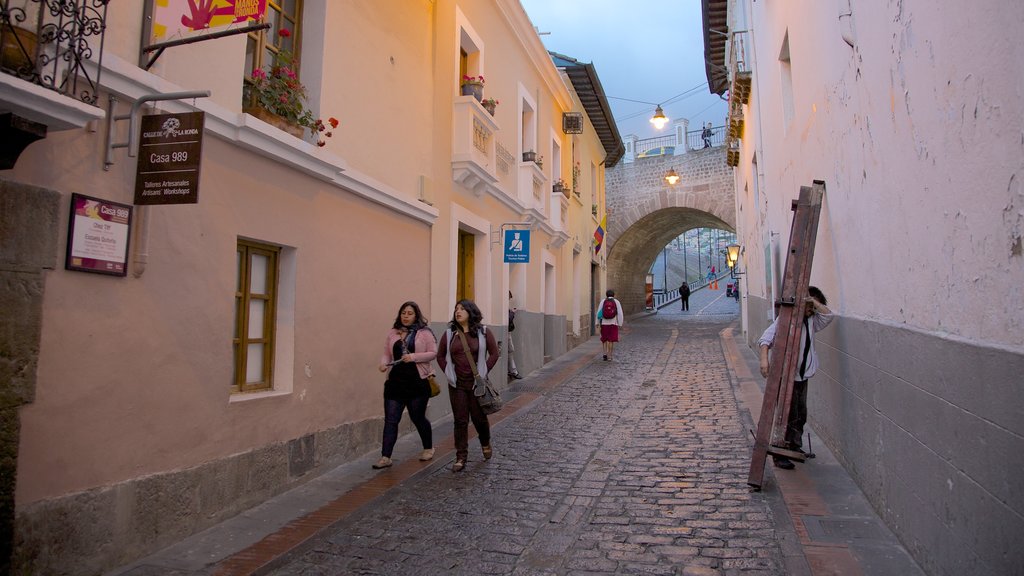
[
  {"x": 408, "y": 350},
  {"x": 467, "y": 342}
]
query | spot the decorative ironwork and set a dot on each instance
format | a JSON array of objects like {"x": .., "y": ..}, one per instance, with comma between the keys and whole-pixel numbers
[
  {"x": 47, "y": 42},
  {"x": 505, "y": 159}
]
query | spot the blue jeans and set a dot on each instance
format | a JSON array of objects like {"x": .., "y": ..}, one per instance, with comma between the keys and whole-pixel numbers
[{"x": 393, "y": 415}]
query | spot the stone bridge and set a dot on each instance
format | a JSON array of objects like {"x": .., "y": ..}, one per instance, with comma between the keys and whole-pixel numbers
[{"x": 645, "y": 212}]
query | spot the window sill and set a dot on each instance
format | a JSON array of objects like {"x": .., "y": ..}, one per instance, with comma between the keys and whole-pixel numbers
[{"x": 238, "y": 397}]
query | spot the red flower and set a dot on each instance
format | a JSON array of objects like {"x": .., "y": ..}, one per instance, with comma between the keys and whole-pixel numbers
[
  {"x": 333, "y": 122},
  {"x": 284, "y": 33}
]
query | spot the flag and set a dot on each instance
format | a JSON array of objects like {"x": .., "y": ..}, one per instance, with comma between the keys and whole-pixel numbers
[{"x": 599, "y": 234}]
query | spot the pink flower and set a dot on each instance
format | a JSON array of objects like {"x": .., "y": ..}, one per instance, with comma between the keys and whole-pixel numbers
[{"x": 259, "y": 74}]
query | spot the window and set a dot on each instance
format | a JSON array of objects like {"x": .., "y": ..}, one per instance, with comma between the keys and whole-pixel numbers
[
  {"x": 262, "y": 46},
  {"x": 786, "y": 69},
  {"x": 255, "y": 316}
]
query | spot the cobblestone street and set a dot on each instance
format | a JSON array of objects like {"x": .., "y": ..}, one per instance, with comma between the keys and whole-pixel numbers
[{"x": 633, "y": 466}]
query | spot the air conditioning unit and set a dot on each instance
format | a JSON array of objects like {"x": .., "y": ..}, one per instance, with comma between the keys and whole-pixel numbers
[{"x": 572, "y": 122}]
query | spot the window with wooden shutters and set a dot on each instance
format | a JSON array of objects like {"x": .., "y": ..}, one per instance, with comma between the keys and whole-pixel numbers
[{"x": 255, "y": 316}]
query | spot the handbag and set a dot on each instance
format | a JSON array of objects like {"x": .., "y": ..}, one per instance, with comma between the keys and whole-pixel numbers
[
  {"x": 486, "y": 395},
  {"x": 434, "y": 388}
]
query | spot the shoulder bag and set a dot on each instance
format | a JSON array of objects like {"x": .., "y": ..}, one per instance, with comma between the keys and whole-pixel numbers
[{"x": 487, "y": 396}]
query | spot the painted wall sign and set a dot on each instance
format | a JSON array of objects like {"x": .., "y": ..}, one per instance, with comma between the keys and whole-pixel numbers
[
  {"x": 170, "y": 148},
  {"x": 179, "y": 19},
  {"x": 98, "y": 236},
  {"x": 517, "y": 246}
]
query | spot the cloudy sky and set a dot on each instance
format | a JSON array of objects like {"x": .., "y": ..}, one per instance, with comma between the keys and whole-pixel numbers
[{"x": 648, "y": 50}]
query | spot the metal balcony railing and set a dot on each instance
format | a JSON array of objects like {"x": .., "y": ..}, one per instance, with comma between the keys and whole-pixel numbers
[
  {"x": 695, "y": 138},
  {"x": 46, "y": 42}
]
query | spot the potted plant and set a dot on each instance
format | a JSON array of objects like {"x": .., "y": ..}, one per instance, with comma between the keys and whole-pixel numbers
[
  {"x": 529, "y": 156},
  {"x": 489, "y": 104},
  {"x": 19, "y": 44},
  {"x": 593, "y": 209},
  {"x": 560, "y": 187},
  {"x": 576, "y": 179},
  {"x": 276, "y": 96},
  {"x": 473, "y": 86},
  {"x": 540, "y": 162}
]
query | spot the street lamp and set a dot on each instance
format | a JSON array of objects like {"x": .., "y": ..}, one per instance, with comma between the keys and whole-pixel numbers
[
  {"x": 733, "y": 257},
  {"x": 659, "y": 119},
  {"x": 672, "y": 177}
]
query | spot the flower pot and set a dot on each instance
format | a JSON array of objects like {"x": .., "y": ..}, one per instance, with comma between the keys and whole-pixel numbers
[
  {"x": 19, "y": 49},
  {"x": 474, "y": 89},
  {"x": 490, "y": 107},
  {"x": 529, "y": 156},
  {"x": 274, "y": 120}
]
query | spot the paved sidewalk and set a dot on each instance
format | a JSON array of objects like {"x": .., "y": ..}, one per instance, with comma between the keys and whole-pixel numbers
[{"x": 634, "y": 466}]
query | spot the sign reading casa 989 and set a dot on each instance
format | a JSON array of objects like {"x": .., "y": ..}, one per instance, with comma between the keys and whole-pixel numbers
[{"x": 170, "y": 147}]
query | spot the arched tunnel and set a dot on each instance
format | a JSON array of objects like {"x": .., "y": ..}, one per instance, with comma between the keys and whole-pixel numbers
[
  {"x": 634, "y": 252},
  {"x": 645, "y": 212}
]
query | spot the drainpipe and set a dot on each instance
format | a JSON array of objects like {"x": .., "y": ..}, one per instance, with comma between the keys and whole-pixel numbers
[
  {"x": 141, "y": 241},
  {"x": 846, "y": 23}
]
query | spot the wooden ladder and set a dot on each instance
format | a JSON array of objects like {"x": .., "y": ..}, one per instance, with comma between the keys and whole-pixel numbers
[{"x": 785, "y": 351}]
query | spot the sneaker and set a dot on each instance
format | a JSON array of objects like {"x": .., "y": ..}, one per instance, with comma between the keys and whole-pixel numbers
[
  {"x": 458, "y": 466},
  {"x": 514, "y": 376},
  {"x": 784, "y": 463},
  {"x": 604, "y": 357},
  {"x": 384, "y": 462},
  {"x": 487, "y": 452},
  {"x": 428, "y": 454}
]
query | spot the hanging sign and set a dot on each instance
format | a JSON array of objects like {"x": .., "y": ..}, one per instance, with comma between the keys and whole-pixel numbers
[
  {"x": 98, "y": 233},
  {"x": 180, "y": 19},
  {"x": 170, "y": 148},
  {"x": 517, "y": 246}
]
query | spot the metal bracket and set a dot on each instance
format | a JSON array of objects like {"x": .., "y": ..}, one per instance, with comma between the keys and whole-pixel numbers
[
  {"x": 133, "y": 117},
  {"x": 496, "y": 237}
]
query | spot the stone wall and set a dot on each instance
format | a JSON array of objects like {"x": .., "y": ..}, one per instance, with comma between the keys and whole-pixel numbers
[{"x": 29, "y": 218}]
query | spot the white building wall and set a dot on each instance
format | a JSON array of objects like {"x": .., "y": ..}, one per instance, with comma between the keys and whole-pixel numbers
[{"x": 916, "y": 131}]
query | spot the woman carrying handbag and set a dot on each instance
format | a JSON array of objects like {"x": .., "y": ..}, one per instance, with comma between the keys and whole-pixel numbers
[
  {"x": 467, "y": 342},
  {"x": 408, "y": 351}
]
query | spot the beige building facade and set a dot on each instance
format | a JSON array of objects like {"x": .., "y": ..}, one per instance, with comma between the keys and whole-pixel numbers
[
  {"x": 237, "y": 356},
  {"x": 911, "y": 117}
]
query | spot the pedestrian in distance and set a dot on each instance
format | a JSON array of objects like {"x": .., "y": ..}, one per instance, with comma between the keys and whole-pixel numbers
[
  {"x": 610, "y": 315},
  {"x": 684, "y": 296},
  {"x": 466, "y": 341},
  {"x": 409, "y": 348},
  {"x": 513, "y": 372},
  {"x": 816, "y": 317},
  {"x": 705, "y": 135}
]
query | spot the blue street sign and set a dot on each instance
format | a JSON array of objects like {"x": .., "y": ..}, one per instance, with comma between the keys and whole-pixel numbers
[{"x": 517, "y": 246}]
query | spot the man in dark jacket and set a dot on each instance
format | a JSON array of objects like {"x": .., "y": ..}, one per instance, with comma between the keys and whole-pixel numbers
[{"x": 684, "y": 296}]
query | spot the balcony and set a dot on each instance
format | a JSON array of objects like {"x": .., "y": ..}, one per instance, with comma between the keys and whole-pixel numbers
[
  {"x": 45, "y": 83},
  {"x": 474, "y": 161}
]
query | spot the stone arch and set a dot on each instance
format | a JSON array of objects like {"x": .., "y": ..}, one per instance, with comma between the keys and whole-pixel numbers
[{"x": 645, "y": 212}]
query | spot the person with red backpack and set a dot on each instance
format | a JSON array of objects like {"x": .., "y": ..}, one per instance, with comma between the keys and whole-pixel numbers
[{"x": 610, "y": 315}]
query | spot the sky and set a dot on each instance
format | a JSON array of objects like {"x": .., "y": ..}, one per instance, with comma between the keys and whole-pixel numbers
[{"x": 647, "y": 50}]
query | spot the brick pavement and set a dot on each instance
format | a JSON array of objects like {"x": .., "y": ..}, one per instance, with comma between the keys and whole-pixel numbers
[{"x": 634, "y": 466}]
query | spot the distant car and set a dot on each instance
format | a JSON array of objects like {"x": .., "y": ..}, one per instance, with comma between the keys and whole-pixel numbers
[{"x": 659, "y": 151}]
